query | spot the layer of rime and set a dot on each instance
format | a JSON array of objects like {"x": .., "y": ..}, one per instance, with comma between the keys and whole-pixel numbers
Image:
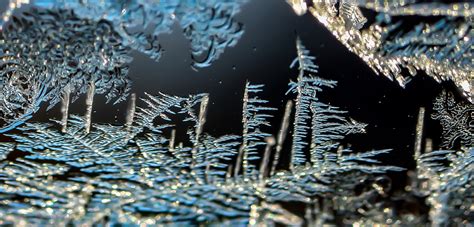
[
  {"x": 84, "y": 173},
  {"x": 439, "y": 44}
]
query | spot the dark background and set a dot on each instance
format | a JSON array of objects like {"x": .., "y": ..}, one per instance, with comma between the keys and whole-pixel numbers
[{"x": 263, "y": 56}]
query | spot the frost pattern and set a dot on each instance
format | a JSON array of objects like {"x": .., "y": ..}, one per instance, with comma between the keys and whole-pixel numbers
[
  {"x": 439, "y": 191},
  {"x": 446, "y": 176},
  {"x": 137, "y": 175},
  {"x": 457, "y": 120},
  {"x": 68, "y": 54},
  {"x": 253, "y": 119},
  {"x": 327, "y": 125},
  {"x": 79, "y": 44},
  {"x": 208, "y": 25},
  {"x": 396, "y": 49}
]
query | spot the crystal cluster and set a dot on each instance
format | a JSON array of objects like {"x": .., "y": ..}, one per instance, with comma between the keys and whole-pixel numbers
[
  {"x": 67, "y": 54},
  {"x": 445, "y": 177},
  {"x": 439, "y": 45},
  {"x": 80, "y": 43},
  {"x": 208, "y": 25}
]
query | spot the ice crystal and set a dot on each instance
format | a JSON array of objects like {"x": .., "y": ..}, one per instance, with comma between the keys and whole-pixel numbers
[
  {"x": 457, "y": 120},
  {"x": 325, "y": 125},
  {"x": 253, "y": 119},
  {"x": 135, "y": 174},
  {"x": 441, "y": 49}
]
